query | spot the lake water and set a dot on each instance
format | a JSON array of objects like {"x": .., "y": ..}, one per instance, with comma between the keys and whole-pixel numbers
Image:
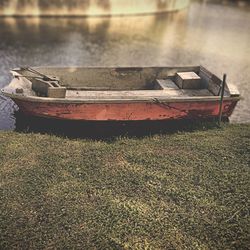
[{"x": 214, "y": 35}]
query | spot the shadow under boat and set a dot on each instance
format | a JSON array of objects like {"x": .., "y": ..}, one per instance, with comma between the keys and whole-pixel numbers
[{"x": 109, "y": 130}]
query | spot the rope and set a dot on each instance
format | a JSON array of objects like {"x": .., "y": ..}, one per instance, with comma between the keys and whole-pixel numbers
[{"x": 44, "y": 77}]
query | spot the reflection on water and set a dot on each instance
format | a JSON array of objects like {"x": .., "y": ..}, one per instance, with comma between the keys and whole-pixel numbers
[
  {"x": 87, "y": 7},
  {"x": 213, "y": 35}
]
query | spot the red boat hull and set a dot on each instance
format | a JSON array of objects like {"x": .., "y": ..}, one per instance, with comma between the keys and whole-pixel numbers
[{"x": 130, "y": 111}]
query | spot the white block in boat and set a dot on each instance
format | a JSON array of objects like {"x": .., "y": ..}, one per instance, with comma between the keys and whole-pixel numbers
[{"x": 188, "y": 80}]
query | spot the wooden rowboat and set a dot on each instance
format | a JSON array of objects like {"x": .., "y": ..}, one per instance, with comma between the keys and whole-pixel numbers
[{"x": 120, "y": 94}]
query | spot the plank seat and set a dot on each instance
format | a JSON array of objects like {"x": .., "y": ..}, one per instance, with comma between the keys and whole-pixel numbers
[{"x": 165, "y": 84}]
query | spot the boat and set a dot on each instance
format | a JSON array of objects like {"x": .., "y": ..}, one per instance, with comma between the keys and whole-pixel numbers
[{"x": 121, "y": 93}]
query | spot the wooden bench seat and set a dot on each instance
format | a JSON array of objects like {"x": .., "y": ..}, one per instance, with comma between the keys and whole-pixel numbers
[{"x": 165, "y": 84}]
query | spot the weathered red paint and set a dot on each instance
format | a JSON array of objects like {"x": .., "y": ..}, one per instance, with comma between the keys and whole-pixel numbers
[{"x": 126, "y": 111}]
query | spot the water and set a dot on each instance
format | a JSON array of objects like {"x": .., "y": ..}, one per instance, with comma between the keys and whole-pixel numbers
[
  {"x": 87, "y": 7},
  {"x": 213, "y": 35}
]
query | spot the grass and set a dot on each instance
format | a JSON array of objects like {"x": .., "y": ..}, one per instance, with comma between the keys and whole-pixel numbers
[{"x": 186, "y": 190}]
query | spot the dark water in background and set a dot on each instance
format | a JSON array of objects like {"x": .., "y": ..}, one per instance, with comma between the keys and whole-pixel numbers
[{"x": 213, "y": 35}]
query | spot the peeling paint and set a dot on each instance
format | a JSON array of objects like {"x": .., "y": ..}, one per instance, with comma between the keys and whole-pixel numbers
[{"x": 126, "y": 111}]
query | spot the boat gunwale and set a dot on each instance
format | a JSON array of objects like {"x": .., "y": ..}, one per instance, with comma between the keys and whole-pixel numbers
[
  {"x": 114, "y": 67},
  {"x": 154, "y": 99}
]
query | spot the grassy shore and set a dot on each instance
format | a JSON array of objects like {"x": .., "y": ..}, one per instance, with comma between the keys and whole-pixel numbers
[{"x": 186, "y": 190}]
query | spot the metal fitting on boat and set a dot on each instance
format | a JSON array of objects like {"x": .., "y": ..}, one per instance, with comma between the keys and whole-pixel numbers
[{"x": 19, "y": 90}]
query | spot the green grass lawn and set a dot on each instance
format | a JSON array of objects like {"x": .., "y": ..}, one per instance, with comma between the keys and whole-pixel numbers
[{"x": 186, "y": 190}]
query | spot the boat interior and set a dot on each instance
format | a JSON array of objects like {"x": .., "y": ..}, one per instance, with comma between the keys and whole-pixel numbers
[{"x": 121, "y": 82}]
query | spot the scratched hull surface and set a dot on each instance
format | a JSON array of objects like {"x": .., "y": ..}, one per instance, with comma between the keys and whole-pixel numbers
[{"x": 126, "y": 111}]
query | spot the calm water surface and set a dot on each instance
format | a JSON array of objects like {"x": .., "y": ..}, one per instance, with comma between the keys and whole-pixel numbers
[{"x": 213, "y": 35}]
